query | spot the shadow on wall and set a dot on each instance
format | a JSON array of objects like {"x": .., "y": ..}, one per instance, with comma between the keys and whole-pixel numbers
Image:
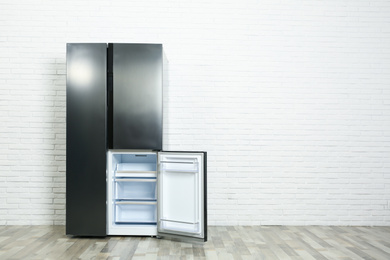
[{"x": 56, "y": 99}]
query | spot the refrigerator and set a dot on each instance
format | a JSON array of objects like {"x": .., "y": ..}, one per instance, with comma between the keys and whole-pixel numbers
[{"x": 119, "y": 181}]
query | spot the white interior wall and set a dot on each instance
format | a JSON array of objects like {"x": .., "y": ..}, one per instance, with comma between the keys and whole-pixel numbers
[{"x": 291, "y": 99}]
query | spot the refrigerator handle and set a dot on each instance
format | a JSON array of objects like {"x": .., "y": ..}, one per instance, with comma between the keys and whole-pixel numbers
[{"x": 110, "y": 95}]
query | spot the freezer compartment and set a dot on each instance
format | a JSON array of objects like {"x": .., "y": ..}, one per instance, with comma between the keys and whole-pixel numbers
[
  {"x": 133, "y": 212},
  {"x": 135, "y": 188},
  {"x": 134, "y": 164}
]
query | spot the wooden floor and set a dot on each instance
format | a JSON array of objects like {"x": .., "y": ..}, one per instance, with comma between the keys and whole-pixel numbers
[{"x": 238, "y": 242}]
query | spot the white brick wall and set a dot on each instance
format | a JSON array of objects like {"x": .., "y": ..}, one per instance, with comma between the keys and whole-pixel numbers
[{"x": 291, "y": 99}]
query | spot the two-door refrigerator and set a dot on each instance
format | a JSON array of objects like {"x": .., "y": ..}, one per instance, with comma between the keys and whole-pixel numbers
[{"x": 119, "y": 181}]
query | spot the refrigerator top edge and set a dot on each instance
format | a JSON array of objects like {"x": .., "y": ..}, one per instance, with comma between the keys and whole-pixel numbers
[
  {"x": 132, "y": 151},
  {"x": 72, "y": 43},
  {"x": 150, "y": 151},
  {"x": 164, "y": 151},
  {"x": 114, "y": 43},
  {"x": 134, "y": 43}
]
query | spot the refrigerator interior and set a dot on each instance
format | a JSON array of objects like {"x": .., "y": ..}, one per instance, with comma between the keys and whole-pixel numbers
[
  {"x": 155, "y": 193},
  {"x": 132, "y": 198}
]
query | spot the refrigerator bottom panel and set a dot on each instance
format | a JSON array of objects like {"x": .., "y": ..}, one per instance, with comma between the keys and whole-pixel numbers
[
  {"x": 133, "y": 230},
  {"x": 182, "y": 237},
  {"x": 135, "y": 213}
]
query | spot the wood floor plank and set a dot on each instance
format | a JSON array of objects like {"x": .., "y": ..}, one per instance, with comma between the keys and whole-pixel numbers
[{"x": 225, "y": 242}]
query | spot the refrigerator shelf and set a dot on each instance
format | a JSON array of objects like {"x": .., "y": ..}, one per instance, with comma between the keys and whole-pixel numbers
[
  {"x": 127, "y": 171},
  {"x": 180, "y": 171},
  {"x": 136, "y": 166},
  {"x": 182, "y": 222},
  {"x": 135, "y": 223},
  {"x": 132, "y": 174},
  {"x": 135, "y": 179},
  {"x": 182, "y": 162},
  {"x": 135, "y": 202},
  {"x": 179, "y": 166}
]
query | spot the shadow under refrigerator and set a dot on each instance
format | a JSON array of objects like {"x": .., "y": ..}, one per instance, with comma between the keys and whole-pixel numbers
[{"x": 119, "y": 180}]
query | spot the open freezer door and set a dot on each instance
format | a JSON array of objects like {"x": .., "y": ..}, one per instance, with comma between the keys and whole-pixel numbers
[{"x": 182, "y": 201}]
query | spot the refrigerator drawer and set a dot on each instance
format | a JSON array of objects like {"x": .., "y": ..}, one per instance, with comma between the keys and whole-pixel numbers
[
  {"x": 135, "y": 189},
  {"x": 135, "y": 212}
]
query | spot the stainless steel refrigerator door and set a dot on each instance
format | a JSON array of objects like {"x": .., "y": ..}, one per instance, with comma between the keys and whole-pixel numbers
[
  {"x": 182, "y": 204},
  {"x": 86, "y": 139},
  {"x": 137, "y": 96}
]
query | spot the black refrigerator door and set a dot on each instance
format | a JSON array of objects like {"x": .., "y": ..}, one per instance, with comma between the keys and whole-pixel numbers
[
  {"x": 86, "y": 139},
  {"x": 182, "y": 195},
  {"x": 137, "y": 96}
]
